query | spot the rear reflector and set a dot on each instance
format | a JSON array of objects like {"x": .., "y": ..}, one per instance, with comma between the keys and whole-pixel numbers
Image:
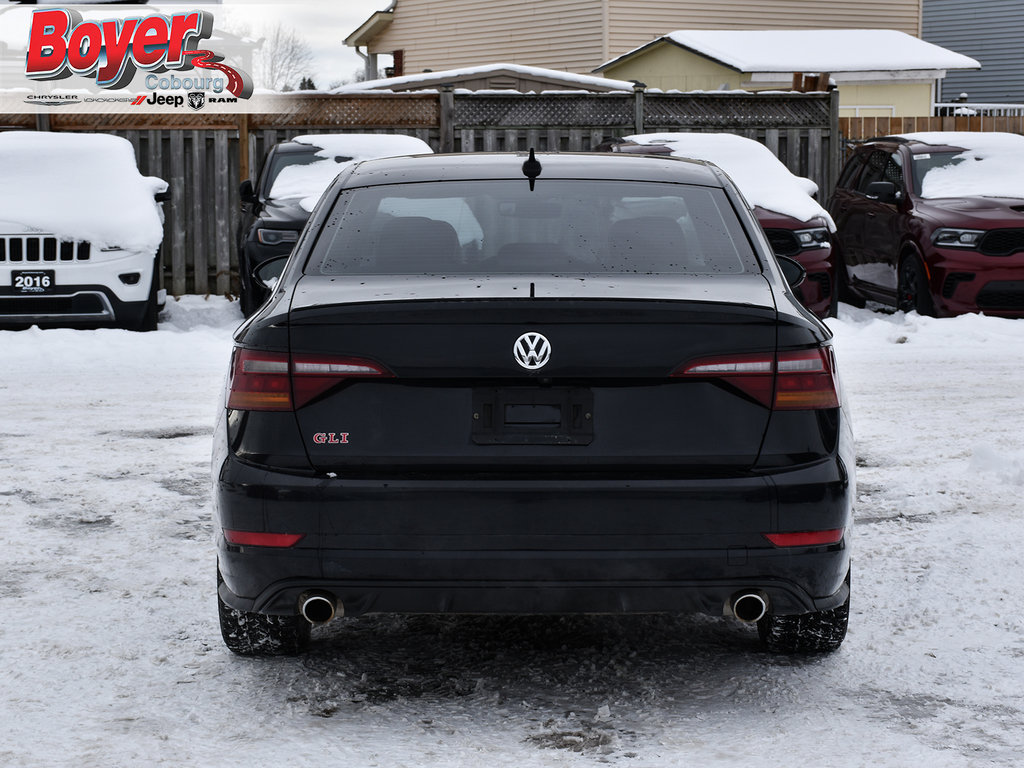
[
  {"x": 258, "y": 539},
  {"x": 800, "y": 380},
  {"x": 805, "y": 538},
  {"x": 275, "y": 381}
]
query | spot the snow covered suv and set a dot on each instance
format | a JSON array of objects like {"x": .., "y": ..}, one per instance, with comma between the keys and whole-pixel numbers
[
  {"x": 934, "y": 222},
  {"x": 80, "y": 231}
]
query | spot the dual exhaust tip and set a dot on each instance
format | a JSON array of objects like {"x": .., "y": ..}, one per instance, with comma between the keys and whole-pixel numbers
[
  {"x": 319, "y": 607},
  {"x": 749, "y": 607}
]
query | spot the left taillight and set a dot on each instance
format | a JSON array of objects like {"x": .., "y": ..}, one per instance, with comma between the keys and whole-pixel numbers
[
  {"x": 793, "y": 380},
  {"x": 275, "y": 381}
]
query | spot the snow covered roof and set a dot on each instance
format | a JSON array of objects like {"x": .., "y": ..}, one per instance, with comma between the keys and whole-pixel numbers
[
  {"x": 813, "y": 50},
  {"x": 760, "y": 176},
  {"x": 997, "y": 169},
  {"x": 308, "y": 182},
  {"x": 79, "y": 186},
  {"x": 551, "y": 79}
]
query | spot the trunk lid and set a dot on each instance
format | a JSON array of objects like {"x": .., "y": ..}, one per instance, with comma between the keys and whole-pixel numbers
[{"x": 605, "y": 400}]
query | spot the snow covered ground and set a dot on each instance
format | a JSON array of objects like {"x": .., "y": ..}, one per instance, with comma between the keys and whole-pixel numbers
[{"x": 110, "y": 653}]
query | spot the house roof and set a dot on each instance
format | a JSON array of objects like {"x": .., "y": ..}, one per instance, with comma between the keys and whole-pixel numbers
[
  {"x": 371, "y": 28},
  {"x": 811, "y": 50},
  {"x": 535, "y": 78}
]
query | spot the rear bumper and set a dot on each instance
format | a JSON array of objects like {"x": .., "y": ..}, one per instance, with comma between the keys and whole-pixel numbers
[{"x": 531, "y": 545}]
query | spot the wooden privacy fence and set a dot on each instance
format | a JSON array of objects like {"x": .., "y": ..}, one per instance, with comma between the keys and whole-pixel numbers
[
  {"x": 203, "y": 157},
  {"x": 859, "y": 129}
]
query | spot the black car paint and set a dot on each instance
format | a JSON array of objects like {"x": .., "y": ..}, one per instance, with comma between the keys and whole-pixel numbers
[{"x": 428, "y": 527}]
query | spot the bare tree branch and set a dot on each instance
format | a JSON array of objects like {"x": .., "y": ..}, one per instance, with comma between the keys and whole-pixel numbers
[{"x": 283, "y": 60}]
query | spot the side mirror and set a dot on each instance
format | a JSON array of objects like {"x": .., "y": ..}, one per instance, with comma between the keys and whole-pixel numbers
[
  {"x": 792, "y": 270},
  {"x": 247, "y": 193},
  {"x": 268, "y": 272},
  {"x": 883, "y": 192}
]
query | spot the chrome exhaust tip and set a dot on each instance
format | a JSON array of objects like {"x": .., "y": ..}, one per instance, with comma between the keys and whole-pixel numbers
[
  {"x": 318, "y": 607},
  {"x": 749, "y": 607}
]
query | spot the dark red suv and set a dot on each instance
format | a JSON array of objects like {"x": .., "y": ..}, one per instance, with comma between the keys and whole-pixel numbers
[
  {"x": 794, "y": 223},
  {"x": 934, "y": 222}
]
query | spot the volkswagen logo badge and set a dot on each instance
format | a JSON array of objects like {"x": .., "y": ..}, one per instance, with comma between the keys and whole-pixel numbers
[{"x": 532, "y": 351}]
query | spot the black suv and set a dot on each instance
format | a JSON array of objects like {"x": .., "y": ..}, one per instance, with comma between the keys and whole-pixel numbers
[
  {"x": 271, "y": 219},
  {"x": 934, "y": 223},
  {"x": 492, "y": 383}
]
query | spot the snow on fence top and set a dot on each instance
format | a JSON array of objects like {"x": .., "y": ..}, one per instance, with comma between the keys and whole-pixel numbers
[
  {"x": 992, "y": 165},
  {"x": 308, "y": 182},
  {"x": 79, "y": 187},
  {"x": 760, "y": 176},
  {"x": 568, "y": 80}
]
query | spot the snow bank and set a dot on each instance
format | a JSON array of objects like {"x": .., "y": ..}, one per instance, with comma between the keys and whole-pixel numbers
[
  {"x": 762, "y": 178},
  {"x": 308, "y": 182},
  {"x": 79, "y": 187},
  {"x": 997, "y": 169}
]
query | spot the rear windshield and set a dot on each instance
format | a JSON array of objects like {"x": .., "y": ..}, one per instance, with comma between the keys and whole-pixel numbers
[{"x": 561, "y": 227}]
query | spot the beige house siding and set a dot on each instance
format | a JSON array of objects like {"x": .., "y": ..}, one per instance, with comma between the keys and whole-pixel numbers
[
  {"x": 632, "y": 24},
  {"x": 875, "y": 99},
  {"x": 564, "y": 35},
  {"x": 668, "y": 67},
  {"x": 579, "y": 35}
]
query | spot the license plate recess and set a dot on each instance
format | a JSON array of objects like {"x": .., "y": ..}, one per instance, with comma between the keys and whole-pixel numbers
[{"x": 533, "y": 416}]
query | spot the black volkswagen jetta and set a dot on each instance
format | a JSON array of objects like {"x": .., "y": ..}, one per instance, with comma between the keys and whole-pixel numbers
[{"x": 488, "y": 383}]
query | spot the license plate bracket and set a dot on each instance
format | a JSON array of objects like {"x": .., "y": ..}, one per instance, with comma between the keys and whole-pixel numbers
[
  {"x": 528, "y": 416},
  {"x": 33, "y": 281}
]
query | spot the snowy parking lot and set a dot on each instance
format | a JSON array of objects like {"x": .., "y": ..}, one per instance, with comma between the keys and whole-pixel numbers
[{"x": 110, "y": 653}]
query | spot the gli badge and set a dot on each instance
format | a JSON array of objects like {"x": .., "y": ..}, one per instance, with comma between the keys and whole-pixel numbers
[{"x": 331, "y": 438}]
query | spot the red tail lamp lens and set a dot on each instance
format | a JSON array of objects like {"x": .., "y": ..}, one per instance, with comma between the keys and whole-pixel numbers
[
  {"x": 275, "y": 381},
  {"x": 259, "y": 382},
  {"x": 259, "y": 539},
  {"x": 806, "y": 538},
  {"x": 313, "y": 375},
  {"x": 806, "y": 380},
  {"x": 800, "y": 380}
]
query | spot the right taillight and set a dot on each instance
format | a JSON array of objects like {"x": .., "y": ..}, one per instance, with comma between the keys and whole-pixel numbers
[
  {"x": 806, "y": 380},
  {"x": 795, "y": 380},
  {"x": 276, "y": 381}
]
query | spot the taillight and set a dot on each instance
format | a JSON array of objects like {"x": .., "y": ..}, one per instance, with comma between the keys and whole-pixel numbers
[
  {"x": 261, "y": 539},
  {"x": 806, "y": 538},
  {"x": 800, "y": 380},
  {"x": 806, "y": 380},
  {"x": 275, "y": 381},
  {"x": 260, "y": 382}
]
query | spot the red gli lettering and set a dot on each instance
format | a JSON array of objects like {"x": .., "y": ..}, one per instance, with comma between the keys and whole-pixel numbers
[{"x": 331, "y": 438}]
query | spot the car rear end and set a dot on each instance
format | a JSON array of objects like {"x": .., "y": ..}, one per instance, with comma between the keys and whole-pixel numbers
[{"x": 508, "y": 437}]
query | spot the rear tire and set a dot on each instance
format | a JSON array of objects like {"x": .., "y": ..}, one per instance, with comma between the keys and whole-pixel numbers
[
  {"x": 256, "y": 634},
  {"x": 820, "y": 632},
  {"x": 912, "y": 292}
]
